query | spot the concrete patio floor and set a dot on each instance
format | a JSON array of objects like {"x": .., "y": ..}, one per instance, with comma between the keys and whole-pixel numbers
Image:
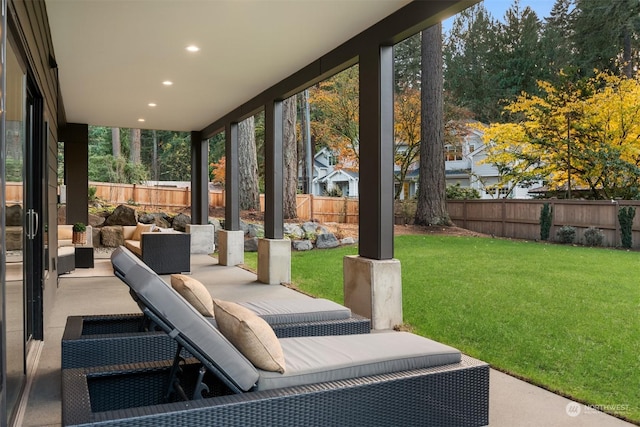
[{"x": 512, "y": 402}]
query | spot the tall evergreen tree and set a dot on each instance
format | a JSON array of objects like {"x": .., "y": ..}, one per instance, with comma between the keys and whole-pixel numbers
[
  {"x": 290, "y": 158},
  {"x": 431, "y": 208},
  {"x": 606, "y": 35},
  {"x": 248, "y": 165},
  {"x": 134, "y": 150},
  {"x": 520, "y": 57},
  {"x": 115, "y": 142},
  {"x": 407, "y": 63},
  {"x": 557, "y": 41},
  {"x": 469, "y": 73}
]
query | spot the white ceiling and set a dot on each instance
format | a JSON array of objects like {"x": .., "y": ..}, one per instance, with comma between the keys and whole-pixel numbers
[{"x": 113, "y": 55}]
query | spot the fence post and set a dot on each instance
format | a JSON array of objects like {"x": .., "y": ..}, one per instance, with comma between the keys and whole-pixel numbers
[
  {"x": 618, "y": 238},
  {"x": 464, "y": 213},
  {"x": 311, "y": 207},
  {"x": 504, "y": 218}
]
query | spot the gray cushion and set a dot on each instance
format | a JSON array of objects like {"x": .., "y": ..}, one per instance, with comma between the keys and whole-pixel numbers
[
  {"x": 313, "y": 360},
  {"x": 297, "y": 310},
  {"x": 167, "y": 304}
]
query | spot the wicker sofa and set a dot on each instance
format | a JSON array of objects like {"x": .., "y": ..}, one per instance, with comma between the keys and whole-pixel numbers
[
  {"x": 370, "y": 379},
  {"x": 165, "y": 251}
]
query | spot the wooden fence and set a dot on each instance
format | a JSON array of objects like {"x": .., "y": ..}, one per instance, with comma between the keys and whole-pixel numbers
[
  {"x": 513, "y": 218},
  {"x": 323, "y": 209},
  {"x": 520, "y": 219}
]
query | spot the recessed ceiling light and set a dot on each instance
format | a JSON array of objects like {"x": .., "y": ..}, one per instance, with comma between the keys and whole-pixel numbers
[
  {"x": 167, "y": 82},
  {"x": 141, "y": 120},
  {"x": 152, "y": 104},
  {"x": 193, "y": 48}
]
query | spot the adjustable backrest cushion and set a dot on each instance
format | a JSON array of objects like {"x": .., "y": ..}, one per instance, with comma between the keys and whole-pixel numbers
[
  {"x": 194, "y": 292},
  {"x": 250, "y": 334},
  {"x": 183, "y": 319}
]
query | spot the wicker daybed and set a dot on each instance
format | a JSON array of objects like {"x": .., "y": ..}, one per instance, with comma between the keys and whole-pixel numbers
[
  {"x": 380, "y": 379},
  {"x": 110, "y": 339},
  {"x": 96, "y": 340}
]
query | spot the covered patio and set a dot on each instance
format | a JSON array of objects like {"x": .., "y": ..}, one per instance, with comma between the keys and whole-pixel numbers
[
  {"x": 125, "y": 64},
  {"x": 512, "y": 402}
]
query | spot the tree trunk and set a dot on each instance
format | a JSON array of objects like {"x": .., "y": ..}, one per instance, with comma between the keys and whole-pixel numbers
[
  {"x": 155, "y": 155},
  {"x": 115, "y": 142},
  {"x": 134, "y": 153},
  {"x": 431, "y": 207},
  {"x": 290, "y": 158},
  {"x": 248, "y": 166},
  {"x": 306, "y": 143}
]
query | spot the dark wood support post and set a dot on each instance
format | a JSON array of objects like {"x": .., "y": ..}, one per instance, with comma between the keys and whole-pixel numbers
[
  {"x": 274, "y": 252},
  {"x": 232, "y": 174},
  {"x": 372, "y": 281},
  {"x": 231, "y": 239},
  {"x": 76, "y": 165},
  {"x": 199, "y": 179},
  {"x": 376, "y": 153},
  {"x": 273, "y": 197}
]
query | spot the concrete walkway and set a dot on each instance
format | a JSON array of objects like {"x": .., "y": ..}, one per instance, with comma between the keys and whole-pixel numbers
[{"x": 513, "y": 403}]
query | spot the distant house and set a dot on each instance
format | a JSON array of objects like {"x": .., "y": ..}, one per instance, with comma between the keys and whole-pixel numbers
[
  {"x": 327, "y": 177},
  {"x": 464, "y": 165}
]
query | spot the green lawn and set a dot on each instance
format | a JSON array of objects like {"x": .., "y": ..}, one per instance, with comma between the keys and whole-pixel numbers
[{"x": 564, "y": 317}]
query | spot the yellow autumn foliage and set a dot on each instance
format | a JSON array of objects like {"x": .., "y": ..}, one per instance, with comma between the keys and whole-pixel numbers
[{"x": 578, "y": 136}]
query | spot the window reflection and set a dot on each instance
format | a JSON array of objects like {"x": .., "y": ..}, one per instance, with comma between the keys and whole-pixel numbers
[{"x": 14, "y": 217}]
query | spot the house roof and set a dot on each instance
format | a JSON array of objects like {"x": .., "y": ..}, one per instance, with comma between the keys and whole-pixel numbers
[
  {"x": 348, "y": 174},
  {"x": 112, "y": 56}
]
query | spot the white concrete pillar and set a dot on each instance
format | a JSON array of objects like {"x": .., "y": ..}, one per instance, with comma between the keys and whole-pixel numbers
[
  {"x": 230, "y": 247},
  {"x": 373, "y": 289},
  {"x": 201, "y": 238},
  {"x": 274, "y": 261}
]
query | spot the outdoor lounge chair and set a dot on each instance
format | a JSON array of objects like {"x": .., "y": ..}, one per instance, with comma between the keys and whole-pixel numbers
[
  {"x": 95, "y": 340},
  {"x": 380, "y": 379}
]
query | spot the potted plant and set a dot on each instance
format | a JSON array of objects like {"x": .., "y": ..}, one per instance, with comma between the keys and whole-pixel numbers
[{"x": 79, "y": 234}]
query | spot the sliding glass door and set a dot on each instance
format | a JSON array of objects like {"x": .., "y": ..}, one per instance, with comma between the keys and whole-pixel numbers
[{"x": 24, "y": 189}]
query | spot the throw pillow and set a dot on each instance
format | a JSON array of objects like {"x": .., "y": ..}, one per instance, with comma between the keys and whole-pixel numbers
[
  {"x": 141, "y": 228},
  {"x": 194, "y": 292},
  {"x": 251, "y": 335}
]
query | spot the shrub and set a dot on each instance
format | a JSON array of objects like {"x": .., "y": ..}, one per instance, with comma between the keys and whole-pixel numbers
[
  {"x": 593, "y": 236},
  {"x": 625, "y": 217},
  {"x": 455, "y": 192},
  {"x": 566, "y": 234},
  {"x": 546, "y": 219},
  {"x": 92, "y": 193},
  {"x": 333, "y": 192}
]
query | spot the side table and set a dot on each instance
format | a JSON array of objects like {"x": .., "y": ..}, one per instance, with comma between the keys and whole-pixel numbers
[{"x": 84, "y": 257}]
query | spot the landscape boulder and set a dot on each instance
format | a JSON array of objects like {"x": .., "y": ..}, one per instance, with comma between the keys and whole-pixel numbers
[
  {"x": 122, "y": 215},
  {"x": 347, "y": 241},
  {"x": 180, "y": 222},
  {"x": 255, "y": 230},
  {"x": 294, "y": 231},
  {"x": 302, "y": 245},
  {"x": 326, "y": 241},
  {"x": 251, "y": 244},
  {"x": 159, "y": 219}
]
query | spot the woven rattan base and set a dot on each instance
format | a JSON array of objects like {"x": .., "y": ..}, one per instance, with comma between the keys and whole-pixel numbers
[
  {"x": 450, "y": 395},
  {"x": 116, "y": 339}
]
